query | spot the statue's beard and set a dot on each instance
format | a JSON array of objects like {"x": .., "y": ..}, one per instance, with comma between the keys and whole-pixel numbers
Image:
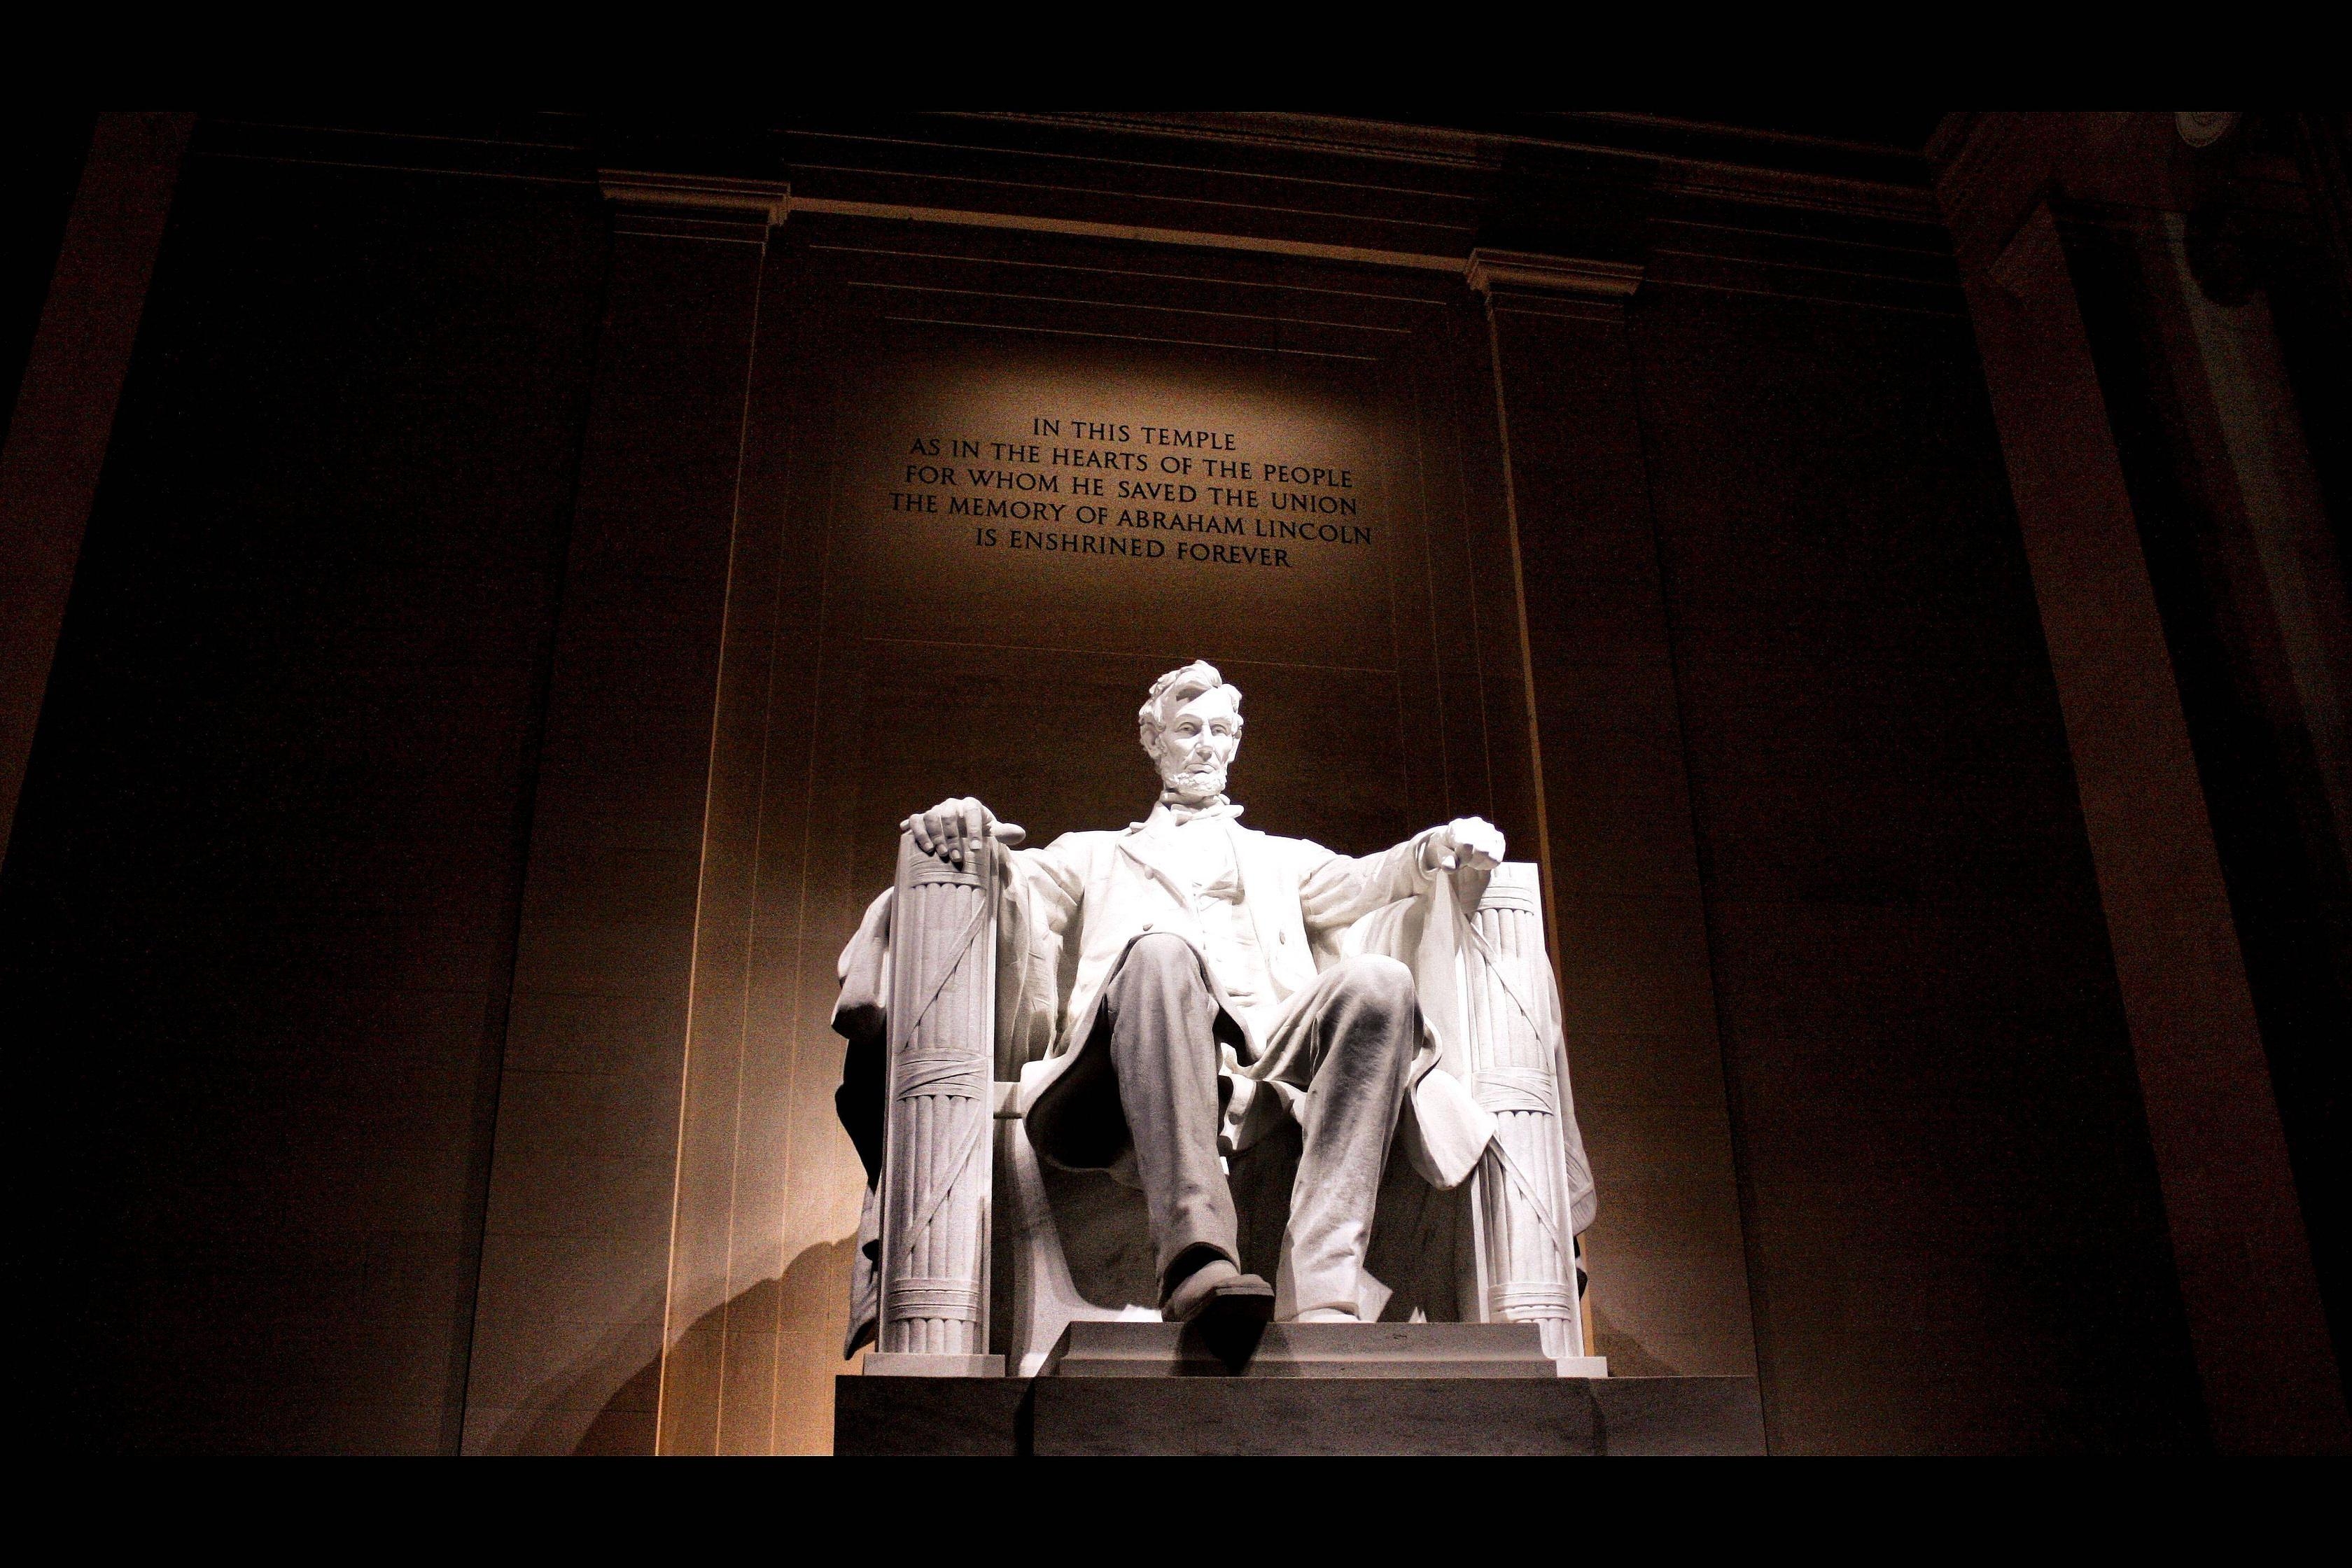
[{"x": 1202, "y": 781}]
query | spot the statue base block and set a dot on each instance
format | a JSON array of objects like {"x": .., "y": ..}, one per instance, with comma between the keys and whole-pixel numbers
[
  {"x": 905, "y": 1363},
  {"x": 1301, "y": 1350},
  {"x": 1303, "y": 1415}
]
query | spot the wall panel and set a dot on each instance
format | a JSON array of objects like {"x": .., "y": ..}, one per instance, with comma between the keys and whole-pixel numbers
[
  {"x": 1631, "y": 930},
  {"x": 576, "y": 1246},
  {"x": 1954, "y": 1237},
  {"x": 258, "y": 915}
]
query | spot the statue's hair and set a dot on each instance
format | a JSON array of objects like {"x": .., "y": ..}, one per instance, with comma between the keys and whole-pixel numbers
[{"x": 1174, "y": 689}]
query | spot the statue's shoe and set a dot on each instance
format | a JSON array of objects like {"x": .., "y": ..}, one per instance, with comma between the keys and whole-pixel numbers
[{"x": 1217, "y": 1292}]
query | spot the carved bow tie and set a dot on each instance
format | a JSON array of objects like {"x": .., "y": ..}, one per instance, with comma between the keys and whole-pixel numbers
[{"x": 1182, "y": 811}]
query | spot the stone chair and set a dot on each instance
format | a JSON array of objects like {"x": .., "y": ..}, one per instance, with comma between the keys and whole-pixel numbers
[{"x": 988, "y": 1253}]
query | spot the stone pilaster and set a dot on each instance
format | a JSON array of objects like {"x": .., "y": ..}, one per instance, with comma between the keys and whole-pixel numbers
[{"x": 2010, "y": 184}]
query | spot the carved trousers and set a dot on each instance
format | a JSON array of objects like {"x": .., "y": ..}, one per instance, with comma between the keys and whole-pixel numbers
[{"x": 1350, "y": 1047}]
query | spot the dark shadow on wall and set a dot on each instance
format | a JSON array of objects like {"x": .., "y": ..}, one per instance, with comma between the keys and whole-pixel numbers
[
  {"x": 1628, "y": 1357},
  {"x": 814, "y": 1289},
  {"x": 613, "y": 1389},
  {"x": 620, "y": 1427}
]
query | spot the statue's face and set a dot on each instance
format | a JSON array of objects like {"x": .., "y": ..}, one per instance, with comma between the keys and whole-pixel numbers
[{"x": 1197, "y": 746}]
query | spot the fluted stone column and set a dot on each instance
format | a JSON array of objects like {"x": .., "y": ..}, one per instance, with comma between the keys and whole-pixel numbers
[
  {"x": 1519, "y": 1205},
  {"x": 937, "y": 1161}
]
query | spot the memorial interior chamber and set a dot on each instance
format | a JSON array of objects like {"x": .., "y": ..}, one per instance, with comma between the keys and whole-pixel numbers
[{"x": 485, "y": 593}]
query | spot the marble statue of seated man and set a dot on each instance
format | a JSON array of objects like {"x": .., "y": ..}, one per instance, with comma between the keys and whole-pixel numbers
[{"x": 1190, "y": 993}]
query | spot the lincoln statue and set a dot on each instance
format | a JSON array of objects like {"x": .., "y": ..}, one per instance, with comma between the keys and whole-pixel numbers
[{"x": 1189, "y": 985}]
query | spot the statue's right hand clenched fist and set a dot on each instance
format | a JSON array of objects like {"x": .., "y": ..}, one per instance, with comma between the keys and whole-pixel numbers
[{"x": 948, "y": 827}]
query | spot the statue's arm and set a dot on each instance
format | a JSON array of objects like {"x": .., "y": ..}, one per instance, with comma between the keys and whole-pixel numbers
[
  {"x": 1052, "y": 881},
  {"x": 1336, "y": 890}
]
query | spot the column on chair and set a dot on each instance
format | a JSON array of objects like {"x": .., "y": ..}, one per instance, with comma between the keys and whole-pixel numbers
[
  {"x": 937, "y": 1159},
  {"x": 1519, "y": 1194}
]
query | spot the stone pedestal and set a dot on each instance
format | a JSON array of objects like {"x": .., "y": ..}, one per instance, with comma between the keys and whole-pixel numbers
[
  {"x": 1272, "y": 1415},
  {"x": 1298, "y": 1388},
  {"x": 1303, "y": 1349}
]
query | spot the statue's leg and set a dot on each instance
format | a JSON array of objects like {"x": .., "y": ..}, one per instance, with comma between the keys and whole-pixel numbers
[
  {"x": 1359, "y": 1049},
  {"x": 1164, "y": 1050}
]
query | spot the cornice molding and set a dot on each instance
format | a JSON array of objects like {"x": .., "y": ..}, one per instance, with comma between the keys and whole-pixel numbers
[
  {"x": 1349, "y": 136},
  {"x": 1804, "y": 192},
  {"x": 1684, "y": 166},
  {"x": 1522, "y": 271},
  {"x": 706, "y": 196},
  {"x": 956, "y": 218}
]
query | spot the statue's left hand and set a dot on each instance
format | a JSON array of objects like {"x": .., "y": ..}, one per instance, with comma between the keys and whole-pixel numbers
[{"x": 1467, "y": 842}]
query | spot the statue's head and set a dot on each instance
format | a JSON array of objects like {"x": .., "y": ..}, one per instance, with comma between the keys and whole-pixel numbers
[{"x": 1192, "y": 726}]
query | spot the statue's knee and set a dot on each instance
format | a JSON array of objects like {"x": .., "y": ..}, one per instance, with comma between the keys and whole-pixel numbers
[{"x": 1380, "y": 981}]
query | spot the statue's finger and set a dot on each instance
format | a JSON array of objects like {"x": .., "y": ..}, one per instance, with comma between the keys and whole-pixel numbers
[{"x": 1012, "y": 834}]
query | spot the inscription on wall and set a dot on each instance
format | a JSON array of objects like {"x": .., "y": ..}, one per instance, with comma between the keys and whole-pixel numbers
[
  {"x": 1129, "y": 493},
  {"x": 1139, "y": 499}
]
